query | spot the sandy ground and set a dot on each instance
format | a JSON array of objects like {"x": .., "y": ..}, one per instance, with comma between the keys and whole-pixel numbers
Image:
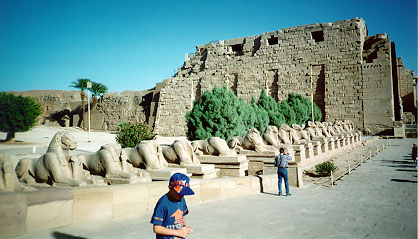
[
  {"x": 34, "y": 143},
  {"x": 377, "y": 200}
]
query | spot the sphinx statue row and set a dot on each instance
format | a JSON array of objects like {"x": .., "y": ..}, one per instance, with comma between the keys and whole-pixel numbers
[{"x": 58, "y": 166}]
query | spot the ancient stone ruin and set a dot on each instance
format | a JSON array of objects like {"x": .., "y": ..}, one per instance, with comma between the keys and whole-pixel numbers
[{"x": 352, "y": 76}]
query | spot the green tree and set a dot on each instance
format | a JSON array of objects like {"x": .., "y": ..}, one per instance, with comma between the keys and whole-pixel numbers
[
  {"x": 288, "y": 113},
  {"x": 82, "y": 85},
  {"x": 301, "y": 107},
  {"x": 17, "y": 114},
  {"x": 260, "y": 116},
  {"x": 270, "y": 105},
  {"x": 97, "y": 91},
  {"x": 218, "y": 113},
  {"x": 131, "y": 134}
]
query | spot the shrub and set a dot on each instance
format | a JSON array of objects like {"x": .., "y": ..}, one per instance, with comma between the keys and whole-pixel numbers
[
  {"x": 220, "y": 113},
  {"x": 270, "y": 105},
  {"x": 301, "y": 109},
  {"x": 325, "y": 168},
  {"x": 259, "y": 117},
  {"x": 17, "y": 114},
  {"x": 131, "y": 134},
  {"x": 288, "y": 113}
]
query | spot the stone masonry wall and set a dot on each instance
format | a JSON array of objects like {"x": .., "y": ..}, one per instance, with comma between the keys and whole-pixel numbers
[
  {"x": 352, "y": 76},
  {"x": 378, "y": 100},
  {"x": 281, "y": 62},
  {"x": 176, "y": 98},
  {"x": 407, "y": 82},
  {"x": 113, "y": 109}
]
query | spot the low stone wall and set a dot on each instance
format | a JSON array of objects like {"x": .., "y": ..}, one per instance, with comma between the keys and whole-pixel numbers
[
  {"x": 112, "y": 109},
  {"x": 25, "y": 212}
]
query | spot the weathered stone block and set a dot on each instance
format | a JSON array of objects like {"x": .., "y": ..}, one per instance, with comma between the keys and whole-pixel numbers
[
  {"x": 13, "y": 214},
  {"x": 92, "y": 204},
  {"x": 155, "y": 191},
  {"x": 52, "y": 214},
  {"x": 210, "y": 190},
  {"x": 129, "y": 199}
]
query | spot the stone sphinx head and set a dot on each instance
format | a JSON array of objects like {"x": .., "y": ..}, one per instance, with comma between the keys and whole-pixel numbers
[
  {"x": 271, "y": 129},
  {"x": 311, "y": 124},
  {"x": 285, "y": 127},
  {"x": 254, "y": 137},
  {"x": 297, "y": 127}
]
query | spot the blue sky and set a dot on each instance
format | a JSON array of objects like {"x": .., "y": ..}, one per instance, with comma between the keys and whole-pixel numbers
[{"x": 131, "y": 45}]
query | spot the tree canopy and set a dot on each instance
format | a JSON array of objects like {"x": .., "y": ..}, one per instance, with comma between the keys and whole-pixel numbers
[
  {"x": 222, "y": 114},
  {"x": 17, "y": 114},
  {"x": 219, "y": 113},
  {"x": 98, "y": 89}
]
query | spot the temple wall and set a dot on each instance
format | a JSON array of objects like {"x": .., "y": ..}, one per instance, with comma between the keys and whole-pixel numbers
[
  {"x": 354, "y": 76},
  {"x": 113, "y": 109},
  {"x": 176, "y": 98},
  {"x": 281, "y": 62},
  {"x": 407, "y": 83},
  {"x": 378, "y": 99}
]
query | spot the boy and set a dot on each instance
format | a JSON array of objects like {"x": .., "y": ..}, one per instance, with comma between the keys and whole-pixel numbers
[{"x": 168, "y": 218}]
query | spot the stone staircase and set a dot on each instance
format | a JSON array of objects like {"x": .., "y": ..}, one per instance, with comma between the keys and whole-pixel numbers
[{"x": 411, "y": 130}]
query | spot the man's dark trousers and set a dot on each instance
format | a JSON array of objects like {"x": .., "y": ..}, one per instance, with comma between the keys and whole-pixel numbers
[{"x": 282, "y": 172}]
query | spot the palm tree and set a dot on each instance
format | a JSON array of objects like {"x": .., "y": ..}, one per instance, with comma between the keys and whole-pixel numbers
[
  {"x": 97, "y": 90},
  {"x": 82, "y": 85}
]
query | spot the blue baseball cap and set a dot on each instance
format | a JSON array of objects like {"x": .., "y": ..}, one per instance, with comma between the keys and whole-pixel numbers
[{"x": 181, "y": 183}]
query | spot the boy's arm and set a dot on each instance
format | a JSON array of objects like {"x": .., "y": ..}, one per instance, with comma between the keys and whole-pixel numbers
[{"x": 182, "y": 232}]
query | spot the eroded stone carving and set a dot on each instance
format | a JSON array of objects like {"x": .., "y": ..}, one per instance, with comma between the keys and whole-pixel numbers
[
  {"x": 148, "y": 154},
  {"x": 251, "y": 141},
  {"x": 323, "y": 128},
  {"x": 56, "y": 166},
  {"x": 285, "y": 134},
  {"x": 212, "y": 146},
  {"x": 180, "y": 152},
  {"x": 301, "y": 133},
  {"x": 271, "y": 136},
  {"x": 8, "y": 178},
  {"x": 314, "y": 131},
  {"x": 331, "y": 129},
  {"x": 107, "y": 162}
]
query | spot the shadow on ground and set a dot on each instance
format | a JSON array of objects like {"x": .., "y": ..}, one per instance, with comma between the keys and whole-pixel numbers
[
  {"x": 402, "y": 180},
  {"x": 60, "y": 235}
]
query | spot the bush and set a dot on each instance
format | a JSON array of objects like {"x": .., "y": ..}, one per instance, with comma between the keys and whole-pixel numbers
[
  {"x": 17, "y": 114},
  {"x": 325, "y": 168},
  {"x": 302, "y": 111},
  {"x": 219, "y": 113},
  {"x": 259, "y": 117},
  {"x": 271, "y": 107},
  {"x": 287, "y": 112},
  {"x": 131, "y": 134}
]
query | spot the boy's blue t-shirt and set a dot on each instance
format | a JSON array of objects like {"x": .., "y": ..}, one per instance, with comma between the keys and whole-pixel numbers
[{"x": 169, "y": 214}]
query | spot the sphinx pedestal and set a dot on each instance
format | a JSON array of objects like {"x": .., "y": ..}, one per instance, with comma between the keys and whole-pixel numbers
[
  {"x": 165, "y": 173},
  {"x": 203, "y": 171},
  {"x": 233, "y": 166},
  {"x": 293, "y": 170}
]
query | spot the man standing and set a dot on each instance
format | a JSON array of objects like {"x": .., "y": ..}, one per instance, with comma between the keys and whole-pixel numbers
[{"x": 281, "y": 161}]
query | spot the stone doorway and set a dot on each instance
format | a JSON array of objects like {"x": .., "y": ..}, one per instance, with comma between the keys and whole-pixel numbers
[{"x": 318, "y": 85}]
